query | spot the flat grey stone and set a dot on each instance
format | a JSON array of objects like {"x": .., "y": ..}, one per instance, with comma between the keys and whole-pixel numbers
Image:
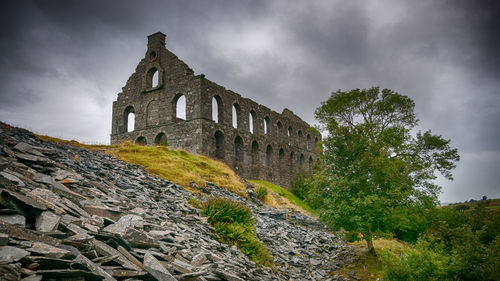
[
  {"x": 12, "y": 178},
  {"x": 9, "y": 254},
  {"x": 4, "y": 239},
  {"x": 14, "y": 219}
]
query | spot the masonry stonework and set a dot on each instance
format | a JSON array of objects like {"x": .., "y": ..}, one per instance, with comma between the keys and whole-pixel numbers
[{"x": 278, "y": 145}]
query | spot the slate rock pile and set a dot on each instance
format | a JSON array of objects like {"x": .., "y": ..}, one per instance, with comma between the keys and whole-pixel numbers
[{"x": 68, "y": 213}]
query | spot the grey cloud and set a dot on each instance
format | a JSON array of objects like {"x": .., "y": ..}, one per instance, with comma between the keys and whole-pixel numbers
[{"x": 63, "y": 62}]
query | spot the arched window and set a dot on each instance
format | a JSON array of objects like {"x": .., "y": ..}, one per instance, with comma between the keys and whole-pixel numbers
[
  {"x": 269, "y": 155},
  {"x": 180, "y": 106},
  {"x": 267, "y": 121},
  {"x": 217, "y": 109},
  {"x": 280, "y": 128},
  {"x": 292, "y": 161},
  {"x": 152, "y": 78},
  {"x": 255, "y": 152},
  {"x": 236, "y": 114},
  {"x": 316, "y": 140},
  {"x": 161, "y": 139},
  {"x": 300, "y": 133},
  {"x": 141, "y": 140},
  {"x": 301, "y": 161},
  {"x": 308, "y": 141},
  {"x": 290, "y": 131},
  {"x": 128, "y": 119},
  {"x": 219, "y": 145},
  {"x": 238, "y": 149},
  {"x": 310, "y": 162},
  {"x": 252, "y": 117}
]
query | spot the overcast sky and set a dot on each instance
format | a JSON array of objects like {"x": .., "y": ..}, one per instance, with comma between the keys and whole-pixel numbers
[{"x": 63, "y": 63}]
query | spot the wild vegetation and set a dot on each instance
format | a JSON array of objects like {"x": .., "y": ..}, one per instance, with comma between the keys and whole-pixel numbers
[
  {"x": 373, "y": 171},
  {"x": 234, "y": 224}
]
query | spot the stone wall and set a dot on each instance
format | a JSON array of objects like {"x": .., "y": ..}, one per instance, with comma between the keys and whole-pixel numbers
[{"x": 280, "y": 144}]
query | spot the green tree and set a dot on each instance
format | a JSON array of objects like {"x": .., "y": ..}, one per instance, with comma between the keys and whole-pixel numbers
[{"x": 372, "y": 167}]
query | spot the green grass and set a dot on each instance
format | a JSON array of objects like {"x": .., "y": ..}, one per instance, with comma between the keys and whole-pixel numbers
[
  {"x": 234, "y": 224},
  {"x": 285, "y": 193}
]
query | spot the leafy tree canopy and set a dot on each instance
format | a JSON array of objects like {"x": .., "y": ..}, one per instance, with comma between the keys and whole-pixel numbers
[{"x": 373, "y": 167}]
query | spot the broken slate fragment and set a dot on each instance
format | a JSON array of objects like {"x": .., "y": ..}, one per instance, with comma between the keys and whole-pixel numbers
[
  {"x": 47, "y": 222},
  {"x": 50, "y": 251},
  {"x": 155, "y": 268},
  {"x": 9, "y": 254},
  {"x": 120, "y": 227}
]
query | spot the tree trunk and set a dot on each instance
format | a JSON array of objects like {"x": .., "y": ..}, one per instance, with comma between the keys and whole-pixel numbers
[{"x": 371, "y": 249}]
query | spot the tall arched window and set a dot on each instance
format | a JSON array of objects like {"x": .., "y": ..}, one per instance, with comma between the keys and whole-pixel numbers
[
  {"x": 300, "y": 133},
  {"x": 217, "y": 109},
  {"x": 280, "y": 129},
  {"x": 308, "y": 141},
  {"x": 128, "y": 119},
  {"x": 267, "y": 121},
  {"x": 252, "y": 117},
  {"x": 219, "y": 145},
  {"x": 301, "y": 161},
  {"x": 238, "y": 149},
  {"x": 269, "y": 155},
  {"x": 236, "y": 114},
  {"x": 180, "y": 106},
  {"x": 292, "y": 161},
  {"x": 155, "y": 79},
  {"x": 310, "y": 162},
  {"x": 290, "y": 131},
  {"x": 255, "y": 152}
]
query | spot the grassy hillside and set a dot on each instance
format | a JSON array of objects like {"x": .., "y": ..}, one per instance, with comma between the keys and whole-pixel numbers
[
  {"x": 280, "y": 197},
  {"x": 184, "y": 168}
]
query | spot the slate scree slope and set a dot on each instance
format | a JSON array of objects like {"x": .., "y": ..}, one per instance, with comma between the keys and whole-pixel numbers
[{"x": 168, "y": 104}]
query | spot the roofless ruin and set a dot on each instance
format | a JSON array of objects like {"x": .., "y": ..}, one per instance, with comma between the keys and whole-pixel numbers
[{"x": 163, "y": 102}]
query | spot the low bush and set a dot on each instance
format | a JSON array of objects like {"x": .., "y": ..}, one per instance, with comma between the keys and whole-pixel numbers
[
  {"x": 261, "y": 192},
  {"x": 299, "y": 184},
  {"x": 233, "y": 222}
]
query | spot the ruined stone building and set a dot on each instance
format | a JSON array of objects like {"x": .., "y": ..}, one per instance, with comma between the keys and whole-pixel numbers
[{"x": 168, "y": 104}]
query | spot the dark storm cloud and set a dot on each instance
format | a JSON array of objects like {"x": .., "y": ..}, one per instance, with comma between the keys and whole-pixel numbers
[{"x": 63, "y": 62}]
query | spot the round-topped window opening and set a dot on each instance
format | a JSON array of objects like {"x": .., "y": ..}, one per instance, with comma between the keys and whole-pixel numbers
[{"x": 152, "y": 56}]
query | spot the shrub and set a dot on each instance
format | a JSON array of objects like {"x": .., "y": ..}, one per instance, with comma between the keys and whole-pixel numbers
[
  {"x": 415, "y": 265},
  {"x": 224, "y": 210},
  {"x": 233, "y": 222},
  {"x": 195, "y": 203},
  {"x": 261, "y": 192}
]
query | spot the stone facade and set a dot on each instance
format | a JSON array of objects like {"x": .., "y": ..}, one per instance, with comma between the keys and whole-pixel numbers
[{"x": 259, "y": 143}]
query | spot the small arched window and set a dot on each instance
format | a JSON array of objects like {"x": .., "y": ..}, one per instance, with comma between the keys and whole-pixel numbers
[
  {"x": 292, "y": 161},
  {"x": 236, "y": 113},
  {"x": 152, "y": 78},
  {"x": 280, "y": 128},
  {"x": 180, "y": 106},
  {"x": 267, "y": 121},
  {"x": 308, "y": 141},
  {"x": 301, "y": 161},
  {"x": 310, "y": 162},
  {"x": 290, "y": 131},
  {"x": 141, "y": 140},
  {"x": 300, "y": 133},
  {"x": 161, "y": 139},
  {"x": 281, "y": 156}
]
